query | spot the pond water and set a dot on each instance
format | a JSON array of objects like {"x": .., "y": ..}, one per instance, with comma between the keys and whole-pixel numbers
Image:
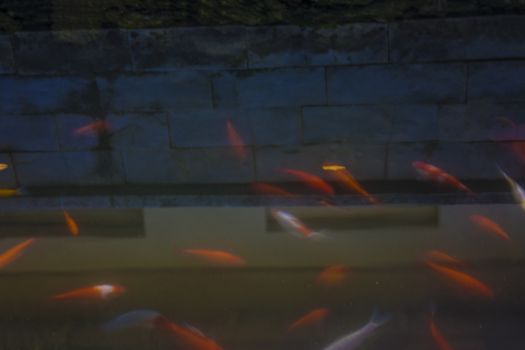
[{"x": 269, "y": 287}]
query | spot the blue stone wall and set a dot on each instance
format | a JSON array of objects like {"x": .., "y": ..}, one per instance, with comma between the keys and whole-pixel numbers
[{"x": 372, "y": 96}]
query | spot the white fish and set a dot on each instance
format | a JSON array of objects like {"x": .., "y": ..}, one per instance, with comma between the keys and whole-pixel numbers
[
  {"x": 517, "y": 192},
  {"x": 295, "y": 226},
  {"x": 137, "y": 318},
  {"x": 357, "y": 338}
]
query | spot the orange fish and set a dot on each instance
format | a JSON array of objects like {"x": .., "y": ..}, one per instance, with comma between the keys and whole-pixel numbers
[
  {"x": 268, "y": 189},
  {"x": 314, "y": 182},
  {"x": 460, "y": 279},
  {"x": 349, "y": 181},
  {"x": 71, "y": 224},
  {"x": 11, "y": 254},
  {"x": 438, "y": 337},
  {"x": 189, "y": 338},
  {"x": 332, "y": 275},
  {"x": 312, "y": 318},
  {"x": 435, "y": 174},
  {"x": 217, "y": 256},
  {"x": 101, "y": 291},
  {"x": 489, "y": 226},
  {"x": 3, "y": 166},
  {"x": 235, "y": 141},
  {"x": 9, "y": 192},
  {"x": 93, "y": 128},
  {"x": 442, "y": 257}
]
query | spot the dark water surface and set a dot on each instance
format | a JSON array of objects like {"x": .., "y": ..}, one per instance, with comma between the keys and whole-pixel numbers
[{"x": 251, "y": 306}]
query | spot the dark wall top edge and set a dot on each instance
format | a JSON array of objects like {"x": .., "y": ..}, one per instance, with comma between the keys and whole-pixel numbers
[{"x": 33, "y": 15}]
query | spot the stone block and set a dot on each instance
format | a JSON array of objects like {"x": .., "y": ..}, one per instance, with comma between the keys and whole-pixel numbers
[
  {"x": 224, "y": 90},
  {"x": 139, "y": 131},
  {"x": 497, "y": 81},
  {"x": 7, "y": 64},
  {"x": 476, "y": 160},
  {"x": 207, "y": 128},
  {"x": 28, "y": 133},
  {"x": 215, "y": 166},
  {"x": 7, "y": 176},
  {"x": 457, "y": 39},
  {"x": 69, "y": 168},
  {"x": 281, "y": 46},
  {"x": 369, "y": 124},
  {"x": 417, "y": 83},
  {"x": 281, "y": 87},
  {"x": 482, "y": 121},
  {"x": 156, "y": 92},
  {"x": 79, "y": 51},
  {"x": 201, "y": 47},
  {"x": 364, "y": 161},
  {"x": 46, "y": 95},
  {"x": 152, "y": 167}
]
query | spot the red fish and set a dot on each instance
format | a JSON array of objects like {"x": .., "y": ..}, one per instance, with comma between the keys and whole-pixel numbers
[
  {"x": 442, "y": 257},
  {"x": 235, "y": 141},
  {"x": 489, "y": 226},
  {"x": 11, "y": 254},
  {"x": 349, "y": 181},
  {"x": 312, "y": 318},
  {"x": 3, "y": 166},
  {"x": 333, "y": 275},
  {"x": 461, "y": 279},
  {"x": 440, "y": 340},
  {"x": 435, "y": 174},
  {"x": 268, "y": 189},
  {"x": 93, "y": 128},
  {"x": 71, "y": 224},
  {"x": 312, "y": 181},
  {"x": 101, "y": 291},
  {"x": 189, "y": 338},
  {"x": 216, "y": 256}
]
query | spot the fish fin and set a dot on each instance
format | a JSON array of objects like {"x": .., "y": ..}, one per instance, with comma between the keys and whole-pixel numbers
[
  {"x": 319, "y": 236},
  {"x": 379, "y": 318},
  {"x": 22, "y": 191},
  {"x": 193, "y": 329}
]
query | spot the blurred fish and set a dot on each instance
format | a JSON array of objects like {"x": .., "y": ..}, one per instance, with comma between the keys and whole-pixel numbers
[
  {"x": 102, "y": 291},
  {"x": 134, "y": 319},
  {"x": 11, "y": 254},
  {"x": 489, "y": 226},
  {"x": 333, "y": 275},
  {"x": 312, "y": 181},
  {"x": 295, "y": 226},
  {"x": 344, "y": 176},
  {"x": 216, "y": 256},
  {"x": 355, "y": 339},
  {"x": 3, "y": 166},
  {"x": 93, "y": 128},
  {"x": 71, "y": 224},
  {"x": 267, "y": 189},
  {"x": 312, "y": 318},
  {"x": 517, "y": 192},
  {"x": 439, "y": 339},
  {"x": 461, "y": 279},
  {"x": 235, "y": 141},
  {"x": 444, "y": 258},
  {"x": 435, "y": 174},
  {"x": 333, "y": 167},
  {"x": 8, "y": 192},
  {"x": 188, "y": 337}
]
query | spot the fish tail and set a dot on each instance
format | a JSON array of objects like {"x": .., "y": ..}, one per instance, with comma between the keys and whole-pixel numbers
[
  {"x": 379, "y": 318},
  {"x": 318, "y": 236}
]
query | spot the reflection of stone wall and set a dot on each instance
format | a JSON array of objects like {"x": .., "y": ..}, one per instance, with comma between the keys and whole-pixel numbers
[{"x": 375, "y": 96}]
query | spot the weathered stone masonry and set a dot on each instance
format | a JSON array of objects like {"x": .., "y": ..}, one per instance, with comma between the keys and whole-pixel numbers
[{"x": 375, "y": 96}]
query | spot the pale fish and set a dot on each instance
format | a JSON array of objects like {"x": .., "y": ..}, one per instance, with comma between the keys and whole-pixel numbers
[{"x": 357, "y": 338}]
